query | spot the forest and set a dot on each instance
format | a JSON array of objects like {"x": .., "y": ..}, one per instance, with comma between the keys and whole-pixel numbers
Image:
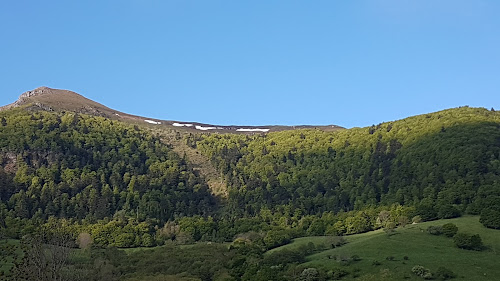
[{"x": 124, "y": 186}]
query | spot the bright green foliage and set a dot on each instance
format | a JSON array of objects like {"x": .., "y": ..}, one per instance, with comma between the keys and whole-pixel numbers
[{"x": 442, "y": 163}]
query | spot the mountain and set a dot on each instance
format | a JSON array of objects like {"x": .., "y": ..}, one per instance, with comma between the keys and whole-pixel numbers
[
  {"x": 48, "y": 99},
  {"x": 65, "y": 159}
]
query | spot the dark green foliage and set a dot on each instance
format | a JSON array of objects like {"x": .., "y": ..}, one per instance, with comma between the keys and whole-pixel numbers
[
  {"x": 285, "y": 257},
  {"x": 448, "y": 212},
  {"x": 338, "y": 273},
  {"x": 435, "y": 230},
  {"x": 468, "y": 242},
  {"x": 442, "y": 162},
  {"x": 426, "y": 211},
  {"x": 449, "y": 229},
  {"x": 490, "y": 218},
  {"x": 90, "y": 168},
  {"x": 444, "y": 273},
  {"x": 202, "y": 261},
  {"x": 355, "y": 258}
]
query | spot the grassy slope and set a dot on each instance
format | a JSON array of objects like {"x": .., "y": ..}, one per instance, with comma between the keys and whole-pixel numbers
[{"x": 422, "y": 249}]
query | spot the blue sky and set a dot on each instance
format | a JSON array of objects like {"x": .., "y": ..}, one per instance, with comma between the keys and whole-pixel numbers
[{"x": 350, "y": 63}]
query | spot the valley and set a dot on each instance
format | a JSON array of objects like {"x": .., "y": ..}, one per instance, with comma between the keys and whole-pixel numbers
[{"x": 172, "y": 200}]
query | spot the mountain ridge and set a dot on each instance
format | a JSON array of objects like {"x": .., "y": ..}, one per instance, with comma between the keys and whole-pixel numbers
[{"x": 50, "y": 99}]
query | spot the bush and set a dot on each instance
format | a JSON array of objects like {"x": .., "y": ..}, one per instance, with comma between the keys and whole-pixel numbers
[
  {"x": 309, "y": 274},
  {"x": 444, "y": 273},
  {"x": 490, "y": 218},
  {"x": 422, "y": 272},
  {"x": 435, "y": 230},
  {"x": 337, "y": 274},
  {"x": 416, "y": 219},
  {"x": 449, "y": 229},
  {"x": 468, "y": 242}
]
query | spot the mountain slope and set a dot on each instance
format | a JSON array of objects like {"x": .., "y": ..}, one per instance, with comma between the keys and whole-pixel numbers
[
  {"x": 85, "y": 167},
  {"x": 58, "y": 163},
  {"x": 45, "y": 98},
  {"x": 448, "y": 158}
]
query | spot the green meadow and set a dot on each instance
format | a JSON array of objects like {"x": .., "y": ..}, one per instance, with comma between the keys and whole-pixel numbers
[{"x": 381, "y": 256}]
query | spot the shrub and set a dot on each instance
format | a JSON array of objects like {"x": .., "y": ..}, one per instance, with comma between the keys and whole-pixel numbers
[
  {"x": 376, "y": 263},
  {"x": 435, "y": 230},
  {"x": 449, "y": 229},
  {"x": 406, "y": 258},
  {"x": 468, "y": 242},
  {"x": 490, "y": 218},
  {"x": 422, "y": 272},
  {"x": 445, "y": 274},
  {"x": 309, "y": 274},
  {"x": 416, "y": 219},
  {"x": 338, "y": 274},
  {"x": 390, "y": 258}
]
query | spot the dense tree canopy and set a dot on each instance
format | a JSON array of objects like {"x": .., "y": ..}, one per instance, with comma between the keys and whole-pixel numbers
[
  {"x": 444, "y": 163},
  {"x": 89, "y": 168},
  {"x": 126, "y": 187}
]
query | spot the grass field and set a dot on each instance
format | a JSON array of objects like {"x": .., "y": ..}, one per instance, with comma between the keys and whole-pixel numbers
[{"x": 414, "y": 242}]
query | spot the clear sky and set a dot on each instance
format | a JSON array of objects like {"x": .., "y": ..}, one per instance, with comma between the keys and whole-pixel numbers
[{"x": 350, "y": 63}]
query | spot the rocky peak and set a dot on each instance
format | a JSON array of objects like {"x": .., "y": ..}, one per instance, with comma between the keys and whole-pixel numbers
[{"x": 35, "y": 92}]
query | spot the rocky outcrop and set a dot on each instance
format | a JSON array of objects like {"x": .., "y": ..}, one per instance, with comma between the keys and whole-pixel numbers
[{"x": 36, "y": 92}]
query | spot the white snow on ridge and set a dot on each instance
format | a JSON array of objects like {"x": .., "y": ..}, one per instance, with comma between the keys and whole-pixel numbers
[
  {"x": 201, "y": 128},
  {"x": 152, "y": 122},
  {"x": 252, "y": 130},
  {"x": 182, "y": 125}
]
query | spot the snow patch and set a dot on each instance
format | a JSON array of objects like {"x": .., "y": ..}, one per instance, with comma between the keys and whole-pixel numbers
[
  {"x": 252, "y": 130},
  {"x": 152, "y": 122},
  {"x": 182, "y": 125},
  {"x": 201, "y": 128}
]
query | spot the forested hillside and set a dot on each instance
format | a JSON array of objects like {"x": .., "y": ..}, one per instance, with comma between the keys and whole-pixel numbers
[
  {"x": 125, "y": 186},
  {"x": 444, "y": 163},
  {"x": 87, "y": 168},
  {"x": 75, "y": 177}
]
